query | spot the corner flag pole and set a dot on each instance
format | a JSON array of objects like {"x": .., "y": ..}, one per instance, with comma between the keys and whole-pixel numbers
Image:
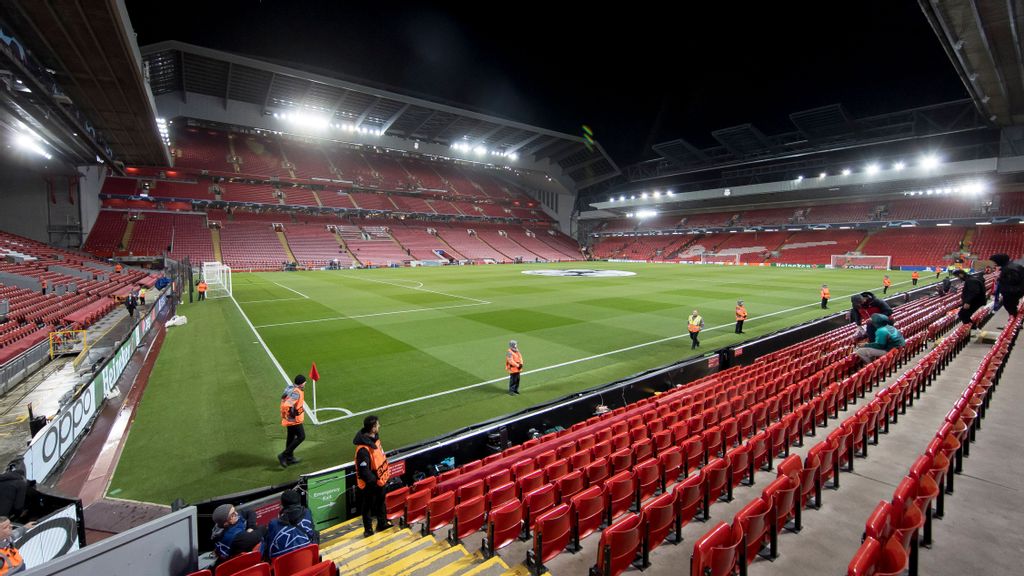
[{"x": 314, "y": 376}]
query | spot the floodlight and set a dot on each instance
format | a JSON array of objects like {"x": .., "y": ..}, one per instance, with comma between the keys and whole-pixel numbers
[
  {"x": 822, "y": 175},
  {"x": 622, "y": 198},
  {"x": 982, "y": 223},
  {"x": 944, "y": 224},
  {"x": 657, "y": 194},
  {"x": 872, "y": 169},
  {"x": 846, "y": 171},
  {"x": 800, "y": 178},
  {"x": 643, "y": 196},
  {"x": 899, "y": 165},
  {"x": 513, "y": 156},
  {"x": 646, "y": 213},
  {"x": 632, "y": 196},
  {"x": 480, "y": 150},
  {"x": 727, "y": 191},
  {"x": 670, "y": 193},
  {"x": 929, "y": 161},
  {"x": 844, "y": 227}
]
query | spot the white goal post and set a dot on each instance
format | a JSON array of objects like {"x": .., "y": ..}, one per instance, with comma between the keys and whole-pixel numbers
[
  {"x": 862, "y": 262},
  {"x": 218, "y": 280},
  {"x": 713, "y": 258}
]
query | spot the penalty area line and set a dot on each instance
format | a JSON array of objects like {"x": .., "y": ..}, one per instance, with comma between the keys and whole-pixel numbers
[
  {"x": 571, "y": 362},
  {"x": 291, "y": 289}
]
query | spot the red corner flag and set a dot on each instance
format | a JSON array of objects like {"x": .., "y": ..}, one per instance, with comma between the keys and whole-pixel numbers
[{"x": 313, "y": 374}]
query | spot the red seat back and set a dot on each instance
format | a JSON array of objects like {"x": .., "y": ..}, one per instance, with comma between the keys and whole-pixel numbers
[
  {"x": 781, "y": 493},
  {"x": 394, "y": 503},
  {"x": 529, "y": 482},
  {"x": 657, "y": 518},
  {"x": 325, "y": 568},
  {"x": 648, "y": 478},
  {"x": 754, "y": 518},
  {"x": 717, "y": 475},
  {"x": 556, "y": 470},
  {"x": 499, "y": 495},
  {"x": 597, "y": 472},
  {"x": 470, "y": 490},
  {"x": 503, "y": 476},
  {"x": 618, "y": 546},
  {"x": 689, "y": 497},
  {"x": 739, "y": 463},
  {"x": 504, "y": 525},
  {"x": 716, "y": 553},
  {"x": 440, "y": 511},
  {"x": 261, "y": 569},
  {"x": 469, "y": 517},
  {"x": 551, "y": 534},
  {"x": 237, "y": 564},
  {"x": 569, "y": 485},
  {"x": 587, "y": 510},
  {"x": 416, "y": 506},
  {"x": 296, "y": 560},
  {"x": 621, "y": 460},
  {"x": 671, "y": 463},
  {"x": 621, "y": 490},
  {"x": 539, "y": 501}
]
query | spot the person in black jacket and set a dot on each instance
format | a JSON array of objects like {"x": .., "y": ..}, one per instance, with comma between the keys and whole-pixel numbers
[
  {"x": 372, "y": 473},
  {"x": 291, "y": 530},
  {"x": 1010, "y": 283},
  {"x": 972, "y": 295}
]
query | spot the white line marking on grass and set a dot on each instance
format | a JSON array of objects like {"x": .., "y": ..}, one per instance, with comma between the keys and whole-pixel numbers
[
  {"x": 292, "y": 289},
  {"x": 312, "y": 415},
  {"x": 576, "y": 361},
  {"x": 270, "y": 300},
  {"x": 355, "y": 316},
  {"x": 420, "y": 288}
]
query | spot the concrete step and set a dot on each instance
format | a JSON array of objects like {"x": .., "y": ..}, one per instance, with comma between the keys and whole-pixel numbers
[
  {"x": 431, "y": 565},
  {"x": 384, "y": 557}
]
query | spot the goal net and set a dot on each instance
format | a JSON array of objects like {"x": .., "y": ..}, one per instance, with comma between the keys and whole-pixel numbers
[
  {"x": 218, "y": 280},
  {"x": 863, "y": 262},
  {"x": 713, "y": 258}
]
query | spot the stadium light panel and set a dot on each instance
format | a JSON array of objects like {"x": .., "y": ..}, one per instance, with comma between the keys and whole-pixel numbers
[
  {"x": 982, "y": 223},
  {"x": 513, "y": 156},
  {"x": 929, "y": 161},
  {"x": 670, "y": 193},
  {"x": 727, "y": 192},
  {"x": 800, "y": 178},
  {"x": 622, "y": 198},
  {"x": 943, "y": 224},
  {"x": 632, "y": 196},
  {"x": 906, "y": 225},
  {"x": 846, "y": 171},
  {"x": 643, "y": 196},
  {"x": 657, "y": 194},
  {"x": 844, "y": 227},
  {"x": 899, "y": 166},
  {"x": 646, "y": 213},
  {"x": 822, "y": 175},
  {"x": 872, "y": 169}
]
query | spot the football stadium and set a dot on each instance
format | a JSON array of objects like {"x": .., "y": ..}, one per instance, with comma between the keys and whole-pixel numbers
[{"x": 327, "y": 306}]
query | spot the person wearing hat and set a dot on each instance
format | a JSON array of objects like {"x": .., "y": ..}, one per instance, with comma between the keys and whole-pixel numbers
[
  {"x": 741, "y": 315},
  {"x": 292, "y": 415},
  {"x": 234, "y": 533},
  {"x": 292, "y": 529},
  {"x": 514, "y": 366},
  {"x": 372, "y": 474},
  {"x": 1010, "y": 285}
]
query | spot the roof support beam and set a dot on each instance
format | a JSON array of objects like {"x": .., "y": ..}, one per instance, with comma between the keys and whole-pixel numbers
[
  {"x": 359, "y": 121},
  {"x": 1011, "y": 8},
  {"x": 584, "y": 164},
  {"x": 484, "y": 138},
  {"x": 227, "y": 85},
  {"x": 988, "y": 52},
  {"x": 387, "y": 125},
  {"x": 421, "y": 124},
  {"x": 270, "y": 88},
  {"x": 337, "y": 105},
  {"x": 530, "y": 138}
]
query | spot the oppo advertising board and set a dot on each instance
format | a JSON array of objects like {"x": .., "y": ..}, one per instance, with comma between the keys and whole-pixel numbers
[
  {"x": 55, "y": 440},
  {"x": 53, "y": 536}
]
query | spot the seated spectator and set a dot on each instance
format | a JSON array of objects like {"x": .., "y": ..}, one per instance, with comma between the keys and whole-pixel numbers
[
  {"x": 886, "y": 338},
  {"x": 865, "y": 305},
  {"x": 234, "y": 533},
  {"x": 291, "y": 530}
]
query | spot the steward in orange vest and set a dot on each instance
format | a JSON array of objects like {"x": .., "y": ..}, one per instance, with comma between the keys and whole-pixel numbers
[
  {"x": 694, "y": 324},
  {"x": 202, "y": 289},
  {"x": 825, "y": 295},
  {"x": 513, "y": 365},
  {"x": 372, "y": 473},
  {"x": 885, "y": 284},
  {"x": 11, "y": 561},
  {"x": 741, "y": 315},
  {"x": 914, "y": 278},
  {"x": 292, "y": 416}
]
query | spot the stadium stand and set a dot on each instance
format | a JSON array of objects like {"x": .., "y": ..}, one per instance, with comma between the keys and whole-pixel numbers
[
  {"x": 202, "y": 149},
  {"x": 314, "y": 245},
  {"x": 251, "y": 245},
  {"x": 107, "y": 232},
  {"x": 815, "y": 247},
  {"x": 469, "y": 245},
  {"x": 414, "y": 236},
  {"x": 257, "y": 155},
  {"x": 915, "y": 246},
  {"x": 1004, "y": 239}
]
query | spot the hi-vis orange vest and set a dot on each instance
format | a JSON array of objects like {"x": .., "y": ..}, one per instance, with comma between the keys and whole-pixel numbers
[
  {"x": 202, "y": 287},
  {"x": 379, "y": 462},
  {"x": 693, "y": 324},
  {"x": 886, "y": 282},
  {"x": 10, "y": 561},
  {"x": 915, "y": 275},
  {"x": 741, "y": 313},
  {"x": 513, "y": 361},
  {"x": 825, "y": 293},
  {"x": 294, "y": 397}
]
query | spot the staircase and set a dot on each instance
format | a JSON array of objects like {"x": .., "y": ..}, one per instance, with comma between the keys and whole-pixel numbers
[
  {"x": 127, "y": 237},
  {"x": 344, "y": 246},
  {"x": 215, "y": 238},
  {"x": 317, "y": 198},
  {"x": 287, "y": 249},
  {"x": 233, "y": 158},
  {"x": 401, "y": 552},
  {"x": 968, "y": 238},
  {"x": 864, "y": 242}
]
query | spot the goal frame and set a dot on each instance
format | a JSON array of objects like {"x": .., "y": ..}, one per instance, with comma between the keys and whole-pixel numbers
[
  {"x": 715, "y": 258},
  {"x": 218, "y": 280},
  {"x": 861, "y": 261}
]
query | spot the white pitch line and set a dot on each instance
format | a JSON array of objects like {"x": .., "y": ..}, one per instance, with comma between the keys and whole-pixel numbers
[
  {"x": 292, "y": 289},
  {"x": 353, "y": 317},
  {"x": 576, "y": 361},
  {"x": 274, "y": 358},
  {"x": 421, "y": 289},
  {"x": 270, "y": 300}
]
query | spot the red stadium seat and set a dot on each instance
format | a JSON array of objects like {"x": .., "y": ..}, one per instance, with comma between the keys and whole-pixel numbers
[
  {"x": 296, "y": 560},
  {"x": 440, "y": 512},
  {"x": 498, "y": 478},
  {"x": 717, "y": 553},
  {"x": 621, "y": 491},
  {"x": 693, "y": 454},
  {"x": 237, "y": 564},
  {"x": 529, "y": 483},
  {"x": 580, "y": 460},
  {"x": 556, "y": 469},
  {"x": 499, "y": 495},
  {"x": 587, "y": 512},
  {"x": 656, "y": 518},
  {"x": 716, "y": 484},
  {"x": 504, "y": 525},
  {"x": 689, "y": 501},
  {"x": 874, "y": 559},
  {"x": 261, "y": 569},
  {"x": 671, "y": 463},
  {"x": 754, "y": 519},
  {"x": 618, "y": 547},
  {"x": 740, "y": 465},
  {"x": 569, "y": 485},
  {"x": 325, "y": 568},
  {"x": 469, "y": 517},
  {"x": 648, "y": 480},
  {"x": 416, "y": 507},
  {"x": 781, "y": 494},
  {"x": 552, "y": 532},
  {"x": 470, "y": 490},
  {"x": 394, "y": 503},
  {"x": 596, "y": 472},
  {"x": 621, "y": 460},
  {"x": 536, "y": 503}
]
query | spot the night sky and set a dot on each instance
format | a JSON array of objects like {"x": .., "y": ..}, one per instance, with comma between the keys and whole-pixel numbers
[{"x": 637, "y": 74}]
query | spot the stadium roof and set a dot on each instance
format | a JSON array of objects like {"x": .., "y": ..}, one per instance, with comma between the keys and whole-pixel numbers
[
  {"x": 179, "y": 67},
  {"x": 90, "y": 49},
  {"x": 983, "y": 41}
]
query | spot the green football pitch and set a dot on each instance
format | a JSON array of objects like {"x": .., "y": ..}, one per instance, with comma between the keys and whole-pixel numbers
[{"x": 423, "y": 348}]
